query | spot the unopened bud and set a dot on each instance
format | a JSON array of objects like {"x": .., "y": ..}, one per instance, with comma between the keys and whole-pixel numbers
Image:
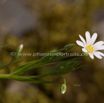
[
  {"x": 20, "y": 47},
  {"x": 18, "y": 51},
  {"x": 63, "y": 88}
]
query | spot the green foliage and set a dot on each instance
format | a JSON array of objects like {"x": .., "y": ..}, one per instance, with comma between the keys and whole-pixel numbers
[
  {"x": 65, "y": 67},
  {"x": 52, "y": 57},
  {"x": 11, "y": 63},
  {"x": 4, "y": 46},
  {"x": 68, "y": 47},
  {"x": 47, "y": 59}
]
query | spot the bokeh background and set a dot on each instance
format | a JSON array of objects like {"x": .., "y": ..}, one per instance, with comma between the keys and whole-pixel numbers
[{"x": 43, "y": 25}]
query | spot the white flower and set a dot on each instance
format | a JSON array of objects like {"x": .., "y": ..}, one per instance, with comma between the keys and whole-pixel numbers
[
  {"x": 89, "y": 46},
  {"x": 21, "y": 47}
]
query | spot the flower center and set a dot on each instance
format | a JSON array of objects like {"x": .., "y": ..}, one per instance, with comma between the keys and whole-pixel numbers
[{"x": 90, "y": 49}]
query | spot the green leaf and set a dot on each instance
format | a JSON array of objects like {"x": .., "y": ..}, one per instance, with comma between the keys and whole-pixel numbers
[
  {"x": 29, "y": 80},
  {"x": 4, "y": 46},
  {"x": 47, "y": 59},
  {"x": 68, "y": 47},
  {"x": 29, "y": 66},
  {"x": 33, "y": 65},
  {"x": 50, "y": 56},
  {"x": 56, "y": 54},
  {"x": 64, "y": 67},
  {"x": 4, "y": 66},
  {"x": 24, "y": 66}
]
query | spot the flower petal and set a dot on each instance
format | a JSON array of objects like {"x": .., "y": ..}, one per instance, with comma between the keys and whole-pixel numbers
[
  {"x": 98, "y": 55},
  {"x": 82, "y": 39},
  {"x": 91, "y": 56},
  {"x": 99, "y": 48},
  {"x": 88, "y": 39},
  {"x": 84, "y": 50},
  {"x": 99, "y": 45},
  {"x": 102, "y": 54},
  {"x": 94, "y": 37},
  {"x": 80, "y": 43}
]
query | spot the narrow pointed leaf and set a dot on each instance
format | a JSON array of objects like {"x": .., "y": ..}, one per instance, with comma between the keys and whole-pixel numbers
[
  {"x": 4, "y": 66},
  {"x": 68, "y": 47},
  {"x": 4, "y": 46},
  {"x": 29, "y": 80},
  {"x": 64, "y": 67}
]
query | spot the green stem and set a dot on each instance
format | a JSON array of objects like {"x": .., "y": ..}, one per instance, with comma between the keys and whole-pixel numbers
[
  {"x": 25, "y": 79},
  {"x": 8, "y": 76},
  {"x": 4, "y": 76},
  {"x": 21, "y": 78},
  {"x": 63, "y": 79},
  {"x": 38, "y": 76}
]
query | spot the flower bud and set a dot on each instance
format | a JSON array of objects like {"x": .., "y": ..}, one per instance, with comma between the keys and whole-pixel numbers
[
  {"x": 63, "y": 88},
  {"x": 18, "y": 51},
  {"x": 20, "y": 47}
]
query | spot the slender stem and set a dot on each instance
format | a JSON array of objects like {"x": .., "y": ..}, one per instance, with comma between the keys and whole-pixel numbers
[
  {"x": 63, "y": 79},
  {"x": 4, "y": 76},
  {"x": 38, "y": 76},
  {"x": 20, "y": 78},
  {"x": 25, "y": 79},
  {"x": 8, "y": 76}
]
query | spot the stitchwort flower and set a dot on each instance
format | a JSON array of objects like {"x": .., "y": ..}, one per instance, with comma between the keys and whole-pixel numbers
[{"x": 89, "y": 47}]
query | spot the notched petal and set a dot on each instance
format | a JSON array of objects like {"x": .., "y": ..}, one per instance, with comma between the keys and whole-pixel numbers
[
  {"x": 88, "y": 38},
  {"x": 84, "y": 50},
  {"x": 82, "y": 39},
  {"x": 98, "y": 55},
  {"x": 91, "y": 56},
  {"x": 94, "y": 37},
  {"x": 80, "y": 43}
]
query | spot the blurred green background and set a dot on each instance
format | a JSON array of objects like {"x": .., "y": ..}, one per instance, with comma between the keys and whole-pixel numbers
[{"x": 43, "y": 25}]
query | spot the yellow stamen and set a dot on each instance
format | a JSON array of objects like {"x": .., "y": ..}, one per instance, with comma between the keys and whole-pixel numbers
[{"x": 90, "y": 49}]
